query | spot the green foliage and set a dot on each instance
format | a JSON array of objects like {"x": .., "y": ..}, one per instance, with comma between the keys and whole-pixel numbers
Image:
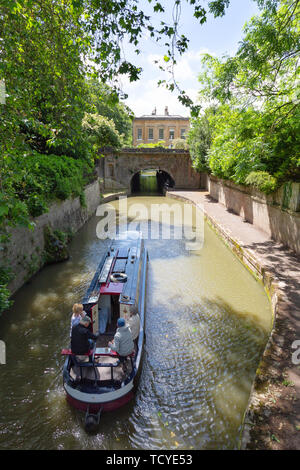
[
  {"x": 34, "y": 180},
  {"x": 82, "y": 199},
  {"x": 199, "y": 140},
  {"x": 56, "y": 245},
  {"x": 238, "y": 147},
  {"x": 255, "y": 128},
  {"x": 5, "y": 276},
  {"x": 41, "y": 62},
  {"x": 105, "y": 101},
  {"x": 180, "y": 144},
  {"x": 5, "y": 303},
  {"x": 101, "y": 131},
  {"x": 160, "y": 143},
  {"x": 262, "y": 181}
]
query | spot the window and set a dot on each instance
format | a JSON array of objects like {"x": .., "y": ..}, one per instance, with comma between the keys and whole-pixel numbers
[
  {"x": 171, "y": 134},
  {"x": 139, "y": 134},
  {"x": 161, "y": 134},
  {"x": 150, "y": 133},
  {"x": 182, "y": 133}
]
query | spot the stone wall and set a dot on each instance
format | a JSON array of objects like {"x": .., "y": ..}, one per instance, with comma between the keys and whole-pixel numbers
[
  {"x": 277, "y": 214},
  {"x": 24, "y": 252}
]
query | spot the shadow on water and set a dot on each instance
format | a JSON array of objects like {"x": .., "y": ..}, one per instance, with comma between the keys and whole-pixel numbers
[{"x": 197, "y": 376}]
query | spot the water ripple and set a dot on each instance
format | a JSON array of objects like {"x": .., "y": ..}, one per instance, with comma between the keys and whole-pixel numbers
[{"x": 207, "y": 322}]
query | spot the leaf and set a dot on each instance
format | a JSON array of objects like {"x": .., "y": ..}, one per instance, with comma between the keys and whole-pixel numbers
[{"x": 4, "y": 210}]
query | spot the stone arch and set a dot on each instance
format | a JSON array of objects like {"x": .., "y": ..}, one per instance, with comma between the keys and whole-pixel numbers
[{"x": 152, "y": 164}]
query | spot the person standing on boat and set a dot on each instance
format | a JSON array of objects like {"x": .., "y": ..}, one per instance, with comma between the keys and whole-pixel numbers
[
  {"x": 134, "y": 324},
  {"x": 122, "y": 342},
  {"x": 77, "y": 315},
  {"x": 82, "y": 339}
]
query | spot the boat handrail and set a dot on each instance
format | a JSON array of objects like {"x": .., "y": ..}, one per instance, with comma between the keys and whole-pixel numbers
[
  {"x": 68, "y": 352},
  {"x": 106, "y": 364}
]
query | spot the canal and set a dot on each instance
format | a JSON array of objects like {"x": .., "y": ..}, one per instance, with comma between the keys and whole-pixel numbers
[{"x": 207, "y": 323}]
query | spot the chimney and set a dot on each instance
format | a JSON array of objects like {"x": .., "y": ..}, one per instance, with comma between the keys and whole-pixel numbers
[{"x": 166, "y": 111}]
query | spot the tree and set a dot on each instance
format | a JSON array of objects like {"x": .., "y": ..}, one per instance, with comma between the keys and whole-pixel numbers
[
  {"x": 41, "y": 62},
  {"x": 256, "y": 92},
  {"x": 104, "y": 100},
  {"x": 110, "y": 21},
  {"x": 199, "y": 140},
  {"x": 101, "y": 131},
  {"x": 265, "y": 66}
]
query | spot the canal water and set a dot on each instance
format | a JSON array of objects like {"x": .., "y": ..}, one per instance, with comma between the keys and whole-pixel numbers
[
  {"x": 148, "y": 181},
  {"x": 207, "y": 322}
]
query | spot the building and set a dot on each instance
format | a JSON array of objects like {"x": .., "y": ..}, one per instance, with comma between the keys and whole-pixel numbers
[{"x": 154, "y": 127}]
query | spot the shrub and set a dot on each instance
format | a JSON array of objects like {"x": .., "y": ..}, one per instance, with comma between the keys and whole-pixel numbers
[
  {"x": 5, "y": 303},
  {"x": 5, "y": 276},
  {"x": 160, "y": 143},
  {"x": 263, "y": 181},
  {"x": 180, "y": 144},
  {"x": 101, "y": 131},
  {"x": 56, "y": 245},
  {"x": 39, "y": 179},
  {"x": 36, "y": 205},
  {"x": 199, "y": 140}
]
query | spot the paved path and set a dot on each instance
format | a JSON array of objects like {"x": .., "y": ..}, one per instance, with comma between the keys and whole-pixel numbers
[{"x": 272, "y": 420}]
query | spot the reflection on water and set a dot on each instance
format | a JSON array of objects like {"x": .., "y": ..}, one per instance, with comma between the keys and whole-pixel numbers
[
  {"x": 148, "y": 181},
  {"x": 207, "y": 321}
]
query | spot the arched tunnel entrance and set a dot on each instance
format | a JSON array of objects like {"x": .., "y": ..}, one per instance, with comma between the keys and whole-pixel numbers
[{"x": 151, "y": 181}]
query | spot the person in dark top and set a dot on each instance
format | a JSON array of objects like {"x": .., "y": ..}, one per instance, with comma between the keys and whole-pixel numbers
[{"x": 81, "y": 337}]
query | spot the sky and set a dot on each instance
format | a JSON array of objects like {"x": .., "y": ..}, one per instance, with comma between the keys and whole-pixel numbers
[{"x": 218, "y": 36}]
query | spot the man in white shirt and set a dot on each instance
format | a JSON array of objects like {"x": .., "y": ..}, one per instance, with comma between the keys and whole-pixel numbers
[{"x": 134, "y": 323}]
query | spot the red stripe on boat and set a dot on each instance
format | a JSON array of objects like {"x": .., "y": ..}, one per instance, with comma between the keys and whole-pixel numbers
[{"x": 94, "y": 407}]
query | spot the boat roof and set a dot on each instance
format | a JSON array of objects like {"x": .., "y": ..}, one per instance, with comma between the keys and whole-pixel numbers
[{"x": 123, "y": 256}]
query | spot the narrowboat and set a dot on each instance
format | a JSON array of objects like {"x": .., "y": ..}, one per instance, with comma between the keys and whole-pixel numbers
[{"x": 101, "y": 382}]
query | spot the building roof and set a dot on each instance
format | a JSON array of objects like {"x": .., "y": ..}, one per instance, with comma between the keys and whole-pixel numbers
[{"x": 162, "y": 116}]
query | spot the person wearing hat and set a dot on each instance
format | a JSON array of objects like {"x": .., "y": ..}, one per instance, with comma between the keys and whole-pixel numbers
[
  {"x": 122, "y": 342},
  {"x": 82, "y": 339}
]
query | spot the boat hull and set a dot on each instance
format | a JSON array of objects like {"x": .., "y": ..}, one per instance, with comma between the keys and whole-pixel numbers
[
  {"x": 108, "y": 401},
  {"x": 104, "y": 406}
]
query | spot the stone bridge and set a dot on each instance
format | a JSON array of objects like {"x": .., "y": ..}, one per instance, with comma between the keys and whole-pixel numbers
[{"x": 119, "y": 168}]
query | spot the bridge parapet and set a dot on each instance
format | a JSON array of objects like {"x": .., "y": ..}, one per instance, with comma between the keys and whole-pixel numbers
[{"x": 119, "y": 167}]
